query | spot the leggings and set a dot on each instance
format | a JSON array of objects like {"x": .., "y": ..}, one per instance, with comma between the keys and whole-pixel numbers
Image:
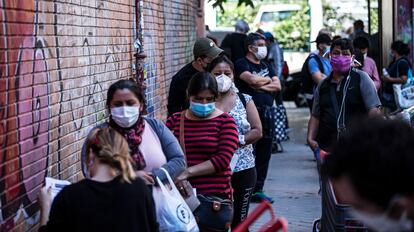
[{"x": 243, "y": 183}]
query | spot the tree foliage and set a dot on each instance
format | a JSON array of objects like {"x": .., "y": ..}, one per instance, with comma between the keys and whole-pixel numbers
[
  {"x": 293, "y": 32},
  {"x": 219, "y": 3}
]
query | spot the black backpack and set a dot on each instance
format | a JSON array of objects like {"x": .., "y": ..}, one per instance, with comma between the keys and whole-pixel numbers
[{"x": 308, "y": 84}]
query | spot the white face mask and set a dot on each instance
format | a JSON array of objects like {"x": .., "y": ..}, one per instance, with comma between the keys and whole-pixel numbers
[
  {"x": 224, "y": 83},
  {"x": 261, "y": 52},
  {"x": 383, "y": 223},
  {"x": 125, "y": 116}
]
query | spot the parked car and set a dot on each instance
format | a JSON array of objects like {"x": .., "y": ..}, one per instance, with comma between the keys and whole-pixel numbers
[{"x": 270, "y": 15}]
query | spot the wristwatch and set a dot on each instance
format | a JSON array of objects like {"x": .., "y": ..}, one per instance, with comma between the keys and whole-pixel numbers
[{"x": 241, "y": 140}]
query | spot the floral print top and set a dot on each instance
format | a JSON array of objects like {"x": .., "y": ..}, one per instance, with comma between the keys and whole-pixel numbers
[{"x": 243, "y": 158}]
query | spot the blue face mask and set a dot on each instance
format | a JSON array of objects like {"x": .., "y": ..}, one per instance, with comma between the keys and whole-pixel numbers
[{"x": 202, "y": 110}]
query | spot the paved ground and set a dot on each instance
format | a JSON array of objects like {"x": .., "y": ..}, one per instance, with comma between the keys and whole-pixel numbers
[{"x": 292, "y": 179}]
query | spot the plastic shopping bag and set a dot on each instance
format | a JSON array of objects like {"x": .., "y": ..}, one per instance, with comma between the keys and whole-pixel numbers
[{"x": 173, "y": 214}]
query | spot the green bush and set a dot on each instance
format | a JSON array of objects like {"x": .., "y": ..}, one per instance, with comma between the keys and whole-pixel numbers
[{"x": 293, "y": 33}]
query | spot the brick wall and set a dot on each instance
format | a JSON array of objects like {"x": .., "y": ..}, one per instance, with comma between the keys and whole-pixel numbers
[
  {"x": 57, "y": 59},
  {"x": 169, "y": 35}
]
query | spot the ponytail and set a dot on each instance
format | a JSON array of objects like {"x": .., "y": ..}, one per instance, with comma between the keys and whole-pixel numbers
[{"x": 112, "y": 149}]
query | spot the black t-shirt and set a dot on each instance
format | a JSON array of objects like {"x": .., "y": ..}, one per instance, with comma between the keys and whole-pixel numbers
[
  {"x": 177, "y": 97},
  {"x": 233, "y": 46},
  {"x": 103, "y": 206},
  {"x": 260, "y": 98},
  {"x": 397, "y": 69}
]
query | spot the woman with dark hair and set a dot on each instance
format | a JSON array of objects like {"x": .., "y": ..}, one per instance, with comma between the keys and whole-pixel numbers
[
  {"x": 242, "y": 108},
  {"x": 209, "y": 139},
  {"x": 151, "y": 143},
  {"x": 397, "y": 73},
  {"x": 111, "y": 200}
]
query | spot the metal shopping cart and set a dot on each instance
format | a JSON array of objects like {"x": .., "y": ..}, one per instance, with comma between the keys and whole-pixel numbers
[{"x": 273, "y": 225}]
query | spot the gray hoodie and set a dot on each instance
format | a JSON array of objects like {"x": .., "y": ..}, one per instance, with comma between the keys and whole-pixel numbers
[{"x": 176, "y": 162}]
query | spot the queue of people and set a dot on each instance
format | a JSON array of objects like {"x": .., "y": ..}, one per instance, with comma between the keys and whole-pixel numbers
[
  {"x": 217, "y": 142},
  {"x": 216, "y": 145}
]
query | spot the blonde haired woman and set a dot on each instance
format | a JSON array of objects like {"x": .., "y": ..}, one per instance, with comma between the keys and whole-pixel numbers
[{"x": 111, "y": 200}]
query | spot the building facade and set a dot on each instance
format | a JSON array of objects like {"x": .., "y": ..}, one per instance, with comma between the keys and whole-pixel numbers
[{"x": 57, "y": 60}]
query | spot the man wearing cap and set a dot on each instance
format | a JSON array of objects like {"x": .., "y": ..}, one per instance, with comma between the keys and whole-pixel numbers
[
  {"x": 233, "y": 44},
  {"x": 316, "y": 67},
  {"x": 255, "y": 77},
  {"x": 204, "y": 50}
]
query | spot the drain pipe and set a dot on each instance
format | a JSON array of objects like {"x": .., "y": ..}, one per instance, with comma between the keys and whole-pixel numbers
[{"x": 138, "y": 43}]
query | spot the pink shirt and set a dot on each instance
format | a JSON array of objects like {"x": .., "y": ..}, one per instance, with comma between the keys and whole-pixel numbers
[
  {"x": 151, "y": 149},
  {"x": 371, "y": 69}
]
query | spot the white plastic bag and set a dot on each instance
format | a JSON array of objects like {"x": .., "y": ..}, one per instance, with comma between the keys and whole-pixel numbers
[
  {"x": 173, "y": 214},
  {"x": 404, "y": 95}
]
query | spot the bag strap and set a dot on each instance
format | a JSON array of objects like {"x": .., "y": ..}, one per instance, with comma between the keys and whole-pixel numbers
[
  {"x": 242, "y": 99},
  {"x": 182, "y": 141}
]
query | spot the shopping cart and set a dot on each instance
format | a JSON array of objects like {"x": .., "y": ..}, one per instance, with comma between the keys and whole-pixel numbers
[{"x": 273, "y": 225}]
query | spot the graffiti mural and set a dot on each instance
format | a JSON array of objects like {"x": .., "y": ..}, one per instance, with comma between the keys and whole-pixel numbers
[
  {"x": 52, "y": 91},
  {"x": 24, "y": 114}
]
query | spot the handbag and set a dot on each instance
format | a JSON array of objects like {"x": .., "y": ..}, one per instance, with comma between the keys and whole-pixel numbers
[
  {"x": 214, "y": 213},
  {"x": 190, "y": 196},
  {"x": 404, "y": 93},
  {"x": 280, "y": 124},
  {"x": 173, "y": 214}
]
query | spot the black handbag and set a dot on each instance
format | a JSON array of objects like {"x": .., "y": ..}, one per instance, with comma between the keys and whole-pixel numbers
[{"x": 214, "y": 213}]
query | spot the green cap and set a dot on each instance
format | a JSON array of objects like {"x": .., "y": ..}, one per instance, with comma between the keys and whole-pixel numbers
[{"x": 206, "y": 47}]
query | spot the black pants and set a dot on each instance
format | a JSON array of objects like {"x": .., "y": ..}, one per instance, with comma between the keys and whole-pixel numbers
[
  {"x": 310, "y": 104},
  {"x": 243, "y": 183},
  {"x": 263, "y": 152}
]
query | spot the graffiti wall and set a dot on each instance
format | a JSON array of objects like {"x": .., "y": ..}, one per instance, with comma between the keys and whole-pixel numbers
[{"x": 57, "y": 59}]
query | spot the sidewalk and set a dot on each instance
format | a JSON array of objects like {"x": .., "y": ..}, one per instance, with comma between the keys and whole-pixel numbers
[{"x": 292, "y": 179}]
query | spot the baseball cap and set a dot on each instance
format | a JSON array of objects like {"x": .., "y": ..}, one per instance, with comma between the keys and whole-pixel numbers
[
  {"x": 206, "y": 47},
  {"x": 242, "y": 25},
  {"x": 323, "y": 38}
]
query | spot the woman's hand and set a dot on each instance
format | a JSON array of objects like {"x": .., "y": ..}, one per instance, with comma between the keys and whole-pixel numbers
[
  {"x": 183, "y": 176},
  {"x": 183, "y": 184},
  {"x": 313, "y": 144},
  {"x": 146, "y": 176},
  {"x": 45, "y": 201}
]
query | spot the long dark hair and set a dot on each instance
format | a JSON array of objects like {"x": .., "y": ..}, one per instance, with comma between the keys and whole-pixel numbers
[
  {"x": 202, "y": 81},
  {"x": 129, "y": 84},
  {"x": 221, "y": 59}
]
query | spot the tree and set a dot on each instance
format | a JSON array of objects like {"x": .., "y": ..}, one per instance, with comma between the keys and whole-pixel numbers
[{"x": 219, "y": 3}]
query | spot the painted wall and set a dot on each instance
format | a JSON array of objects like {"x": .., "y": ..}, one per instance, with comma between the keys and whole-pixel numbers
[
  {"x": 169, "y": 35},
  {"x": 57, "y": 59}
]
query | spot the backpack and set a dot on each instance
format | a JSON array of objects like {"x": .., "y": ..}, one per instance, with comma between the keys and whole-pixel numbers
[{"x": 308, "y": 85}]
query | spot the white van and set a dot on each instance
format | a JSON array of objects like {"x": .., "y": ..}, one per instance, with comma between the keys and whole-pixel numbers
[{"x": 270, "y": 15}]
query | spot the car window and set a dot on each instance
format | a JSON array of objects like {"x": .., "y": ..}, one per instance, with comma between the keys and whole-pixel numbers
[{"x": 276, "y": 16}]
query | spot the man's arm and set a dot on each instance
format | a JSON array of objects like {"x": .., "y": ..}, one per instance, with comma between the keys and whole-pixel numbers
[
  {"x": 254, "y": 81},
  {"x": 313, "y": 126},
  {"x": 273, "y": 86},
  {"x": 317, "y": 77},
  {"x": 176, "y": 97},
  {"x": 369, "y": 94},
  {"x": 316, "y": 74}
]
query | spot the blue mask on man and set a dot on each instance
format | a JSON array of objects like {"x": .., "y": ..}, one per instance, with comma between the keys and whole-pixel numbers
[{"x": 202, "y": 110}]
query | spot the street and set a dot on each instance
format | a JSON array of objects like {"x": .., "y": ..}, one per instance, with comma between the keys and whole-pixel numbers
[{"x": 292, "y": 179}]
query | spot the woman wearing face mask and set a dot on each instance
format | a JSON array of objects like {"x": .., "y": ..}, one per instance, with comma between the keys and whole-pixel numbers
[
  {"x": 396, "y": 73},
  {"x": 111, "y": 200},
  {"x": 151, "y": 143},
  {"x": 209, "y": 137},
  {"x": 242, "y": 108}
]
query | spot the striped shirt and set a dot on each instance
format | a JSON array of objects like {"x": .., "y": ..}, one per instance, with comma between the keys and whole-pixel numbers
[{"x": 213, "y": 139}]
